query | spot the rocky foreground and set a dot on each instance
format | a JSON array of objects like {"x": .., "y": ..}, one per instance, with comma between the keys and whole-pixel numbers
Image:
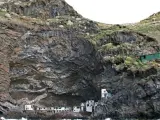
[{"x": 52, "y": 56}]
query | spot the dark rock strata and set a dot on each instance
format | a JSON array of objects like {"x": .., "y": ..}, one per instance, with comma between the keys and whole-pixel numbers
[{"x": 133, "y": 96}]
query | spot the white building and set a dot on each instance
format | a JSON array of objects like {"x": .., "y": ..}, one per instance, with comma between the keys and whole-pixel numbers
[
  {"x": 60, "y": 109},
  {"x": 2, "y": 118},
  {"x": 105, "y": 94},
  {"x": 89, "y": 105},
  {"x": 43, "y": 108},
  {"x": 83, "y": 106},
  {"x": 108, "y": 119},
  {"x": 76, "y": 109},
  {"x": 68, "y": 108},
  {"x": 29, "y": 107}
]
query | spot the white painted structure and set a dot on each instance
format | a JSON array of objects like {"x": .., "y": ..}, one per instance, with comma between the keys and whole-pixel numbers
[
  {"x": 43, "y": 109},
  {"x": 108, "y": 119},
  {"x": 29, "y": 107},
  {"x": 2, "y": 118},
  {"x": 68, "y": 108},
  {"x": 89, "y": 105},
  {"x": 60, "y": 109},
  {"x": 105, "y": 94},
  {"x": 54, "y": 109},
  {"x": 83, "y": 107},
  {"x": 76, "y": 109}
]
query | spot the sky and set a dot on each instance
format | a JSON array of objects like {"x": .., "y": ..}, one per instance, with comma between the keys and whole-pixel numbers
[{"x": 115, "y": 11}]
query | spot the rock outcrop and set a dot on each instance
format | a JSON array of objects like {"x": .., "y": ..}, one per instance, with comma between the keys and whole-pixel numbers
[
  {"x": 52, "y": 56},
  {"x": 40, "y": 8},
  {"x": 40, "y": 61},
  {"x": 134, "y": 86}
]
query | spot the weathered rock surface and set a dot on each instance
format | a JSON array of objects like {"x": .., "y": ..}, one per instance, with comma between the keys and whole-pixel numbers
[
  {"x": 40, "y": 8},
  {"x": 134, "y": 94},
  {"x": 42, "y": 63},
  {"x": 51, "y": 56}
]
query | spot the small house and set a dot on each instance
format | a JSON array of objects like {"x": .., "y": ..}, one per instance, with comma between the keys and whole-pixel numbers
[
  {"x": 37, "y": 108},
  {"x": 105, "y": 94},
  {"x": 60, "y": 109},
  {"x": 89, "y": 105},
  {"x": 68, "y": 108},
  {"x": 83, "y": 107},
  {"x": 29, "y": 107},
  {"x": 43, "y": 108},
  {"x": 76, "y": 109},
  {"x": 2, "y": 118}
]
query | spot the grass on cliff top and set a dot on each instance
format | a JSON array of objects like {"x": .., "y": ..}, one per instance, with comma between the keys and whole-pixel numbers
[
  {"x": 125, "y": 57},
  {"x": 153, "y": 18},
  {"x": 106, "y": 30},
  {"x": 24, "y": 21},
  {"x": 150, "y": 29},
  {"x": 149, "y": 26},
  {"x": 123, "y": 48}
]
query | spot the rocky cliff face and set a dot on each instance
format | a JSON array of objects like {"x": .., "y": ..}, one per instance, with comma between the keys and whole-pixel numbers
[
  {"x": 40, "y": 8},
  {"x": 51, "y": 56}
]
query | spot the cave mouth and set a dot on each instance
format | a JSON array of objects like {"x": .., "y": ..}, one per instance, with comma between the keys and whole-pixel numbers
[{"x": 1, "y": 113}]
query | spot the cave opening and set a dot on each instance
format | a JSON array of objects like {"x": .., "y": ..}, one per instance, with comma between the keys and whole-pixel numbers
[{"x": 1, "y": 113}]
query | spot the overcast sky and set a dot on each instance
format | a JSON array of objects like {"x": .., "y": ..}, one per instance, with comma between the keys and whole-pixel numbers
[{"x": 116, "y": 11}]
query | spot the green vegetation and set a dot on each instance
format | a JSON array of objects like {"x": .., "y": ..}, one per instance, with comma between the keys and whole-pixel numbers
[
  {"x": 107, "y": 47},
  {"x": 107, "y": 31},
  {"x": 129, "y": 63},
  {"x": 123, "y": 56},
  {"x": 20, "y": 81},
  {"x": 121, "y": 49},
  {"x": 152, "y": 18},
  {"x": 125, "y": 59},
  {"x": 146, "y": 27},
  {"x": 149, "y": 26},
  {"x": 134, "y": 64},
  {"x": 2, "y": 12}
]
